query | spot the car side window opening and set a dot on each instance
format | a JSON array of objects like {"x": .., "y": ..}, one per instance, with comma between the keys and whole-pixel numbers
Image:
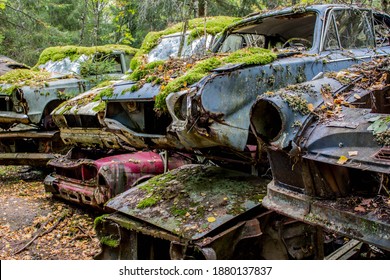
[
  {"x": 349, "y": 29},
  {"x": 382, "y": 30}
]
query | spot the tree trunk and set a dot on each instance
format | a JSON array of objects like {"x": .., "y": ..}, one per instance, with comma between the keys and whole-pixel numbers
[
  {"x": 201, "y": 8},
  {"x": 97, "y": 23},
  {"x": 385, "y": 6},
  {"x": 83, "y": 19}
]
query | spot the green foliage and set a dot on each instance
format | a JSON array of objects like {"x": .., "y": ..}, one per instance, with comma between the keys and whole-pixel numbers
[
  {"x": 147, "y": 202},
  {"x": 250, "y": 56},
  {"x": 141, "y": 72},
  {"x": 107, "y": 92},
  {"x": 96, "y": 68},
  {"x": 104, "y": 84},
  {"x": 98, "y": 220},
  {"x": 379, "y": 125},
  {"x": 100, "y": 108},
  {"x": 380, "y": 129}
]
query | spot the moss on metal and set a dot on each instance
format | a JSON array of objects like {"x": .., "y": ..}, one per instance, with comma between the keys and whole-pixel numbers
[
  {"x": 23, "y": 77},
  {"x": 190, "y": 196},
  {"x": 74, "y": 52},
  {"x": 109, "y": 241},
  {"x": 190, "y": 73},
  {"x": 196, "y": 27},
  {"x": 296, "y": 103}
]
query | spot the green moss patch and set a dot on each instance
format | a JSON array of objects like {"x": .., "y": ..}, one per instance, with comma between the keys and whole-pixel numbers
[
  {"x": 23, "y": 77},
  {"x": 196, "y": 27},
  {"x": 74, "y": 52},
  {"x": 109, "y": 241},
  {"x": 176, "y": 74},
  {"x": 99, "y": 220},
  {"x": 191, "y": 200}
]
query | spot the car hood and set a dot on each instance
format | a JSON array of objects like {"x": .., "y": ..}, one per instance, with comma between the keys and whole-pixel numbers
[{"x": 193, "y": 200}]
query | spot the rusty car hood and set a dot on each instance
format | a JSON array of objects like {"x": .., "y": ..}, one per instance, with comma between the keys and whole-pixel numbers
[{"x": 193, "y": 200}]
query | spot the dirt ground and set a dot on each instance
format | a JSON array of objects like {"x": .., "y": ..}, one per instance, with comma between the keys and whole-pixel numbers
[{"x": 35, "y": 226}]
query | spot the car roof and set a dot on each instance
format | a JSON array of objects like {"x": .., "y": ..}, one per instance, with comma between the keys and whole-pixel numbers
[
  {"x": 7, "y": 64},
  {"x": 320, "y": 9}
]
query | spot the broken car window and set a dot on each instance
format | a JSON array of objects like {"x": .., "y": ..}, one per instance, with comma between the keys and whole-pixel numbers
[
  {"x": 169, "y": 47},
  {"x": 353, "y": 30},
  {"x": 286, "y": 31},
  {"x": 331, "y": 41},
  {"x": 235, "y": 42},
  {"x": 382, "y": 30}
]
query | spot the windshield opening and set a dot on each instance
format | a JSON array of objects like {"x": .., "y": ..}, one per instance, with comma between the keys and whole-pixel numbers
[{"x": 287, "y": 31}]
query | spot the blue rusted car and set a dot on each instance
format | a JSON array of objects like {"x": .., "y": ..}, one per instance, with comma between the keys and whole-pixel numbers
[
  {"x": 328, "y": 145},
  {"x": 81, "y": 119},
  {"x": 309, "y": 42},
  {"x": 214, "y": 112}
]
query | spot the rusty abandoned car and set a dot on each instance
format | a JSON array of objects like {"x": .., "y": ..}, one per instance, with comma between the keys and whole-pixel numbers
[
  {"x": 178, "y": 153},
  {"x": 27, "y": 97},
  {"x": 94, "y": 181},
  {"x": 196, "y": 210},
  {"x": 81, "y": 119},
  {"x": 330, "y": 159},
  {"x": 326, "y": 140},
  {"x": 209, "y": 110}
]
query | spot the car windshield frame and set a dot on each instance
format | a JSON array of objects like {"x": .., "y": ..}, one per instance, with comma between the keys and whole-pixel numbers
[{"x": 276, "y": 30}]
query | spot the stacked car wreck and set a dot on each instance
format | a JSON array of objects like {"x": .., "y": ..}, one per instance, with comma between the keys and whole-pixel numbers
[
  {"x": 27, "y": 97},
  {"x": 329, "y": 151},
  {"x": 270, "y": 72}
]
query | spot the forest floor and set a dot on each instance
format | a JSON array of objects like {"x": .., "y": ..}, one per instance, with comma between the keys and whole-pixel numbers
[{"x": 35, "y": 226}]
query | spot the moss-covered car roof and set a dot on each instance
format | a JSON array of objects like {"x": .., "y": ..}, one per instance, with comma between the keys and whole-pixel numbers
[
  {"x": 74, "y": 52},
  {"x": 196, "y": 28}
]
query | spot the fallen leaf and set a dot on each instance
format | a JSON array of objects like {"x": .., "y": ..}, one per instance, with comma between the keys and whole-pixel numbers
[
  {"x": 211, "y": 219},
  {"x": 359, "y": 209},
  {"x": 352, "y": 153},
  {"x": 310, "y": 107},
  {"x": 342, "y": 160},
  {"x": 357, "y": 96},
  {"x": 366, "y": 201}
]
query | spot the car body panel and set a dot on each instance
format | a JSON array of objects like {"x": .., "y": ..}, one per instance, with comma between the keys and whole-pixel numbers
[{"x": 93, "y": 182}]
